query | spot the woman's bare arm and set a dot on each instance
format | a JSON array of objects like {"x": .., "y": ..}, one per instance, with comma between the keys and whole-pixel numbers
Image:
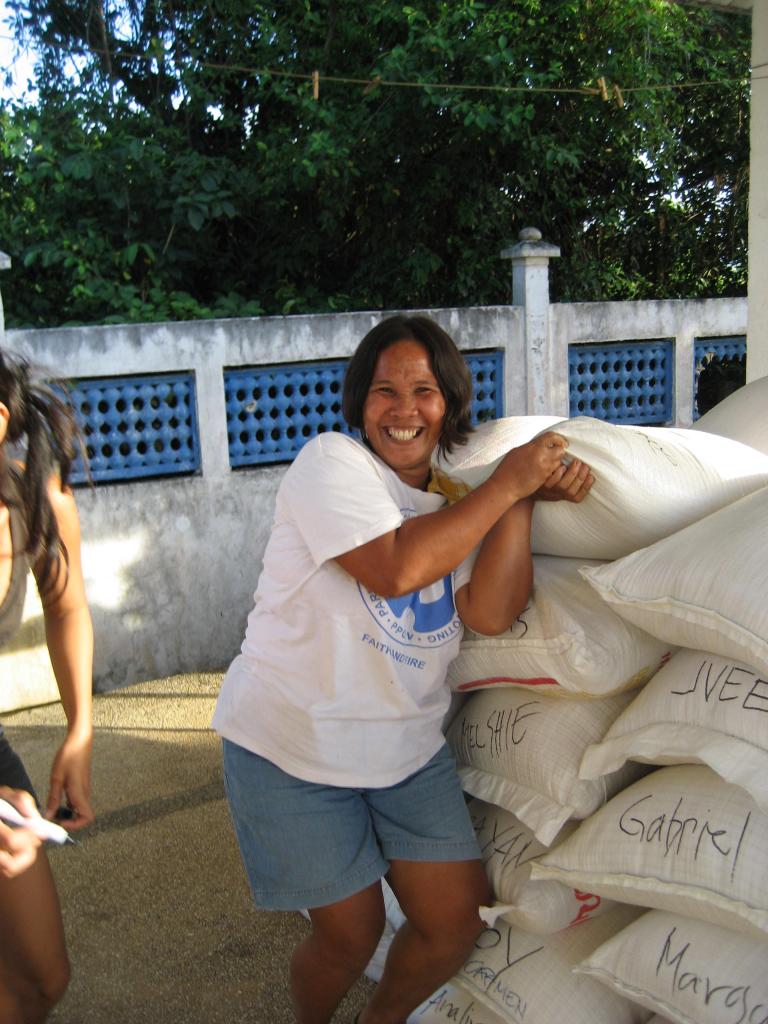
[
  {"x": 502, "y": 576},
  {"x": 69, "y": 635},
  {"x": 426, "y": 548}
]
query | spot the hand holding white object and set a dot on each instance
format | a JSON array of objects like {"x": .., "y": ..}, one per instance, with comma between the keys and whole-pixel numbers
[{"x": 36, "y": 823}]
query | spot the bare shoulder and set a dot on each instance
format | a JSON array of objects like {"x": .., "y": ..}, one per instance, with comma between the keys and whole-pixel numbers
[{"x": 62, "y": 503}]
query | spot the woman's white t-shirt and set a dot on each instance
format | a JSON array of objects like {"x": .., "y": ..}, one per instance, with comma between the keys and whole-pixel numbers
[{"x": 335, "y": 684}]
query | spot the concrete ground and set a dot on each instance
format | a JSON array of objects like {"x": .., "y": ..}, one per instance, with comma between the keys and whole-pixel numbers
[{"x": 159, "y": 919}]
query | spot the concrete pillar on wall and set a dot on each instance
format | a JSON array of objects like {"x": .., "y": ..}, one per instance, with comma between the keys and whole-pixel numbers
[
  {"x": 5, "y": 262},
  {"x": 530, "y": 289}
]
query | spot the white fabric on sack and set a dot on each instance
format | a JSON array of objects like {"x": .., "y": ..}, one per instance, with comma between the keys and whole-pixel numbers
[
  {"x": 649, "y": 482},
  {"x": 703, "y": 588},
  {"x": 522, "y": 752},
  {"x": 530, "y": 978},
  {"x": 679, "y": 839},
  {"x": 567, "y": 640},
  {"x": 452, "y": 1003},
  {"x": 699, "y": 708},
  {"x": 394, "y": 918},
  {"x": 489, "y": 441},
  {"x": 741, "y": 416},
  {"x": 686, "y": 970},
  {"x": 508, "y": 847}
]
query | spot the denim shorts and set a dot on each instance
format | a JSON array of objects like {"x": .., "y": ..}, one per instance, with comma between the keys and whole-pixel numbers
[
  {"x": 12, "y": 771},
  {"x": 308, "y": 845}
]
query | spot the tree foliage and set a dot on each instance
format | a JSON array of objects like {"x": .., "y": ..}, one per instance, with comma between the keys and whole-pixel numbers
[{"x": 176, "y": 162}]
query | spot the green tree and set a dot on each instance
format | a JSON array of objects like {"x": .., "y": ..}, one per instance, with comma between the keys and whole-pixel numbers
[{"x": 185, "y": 168}]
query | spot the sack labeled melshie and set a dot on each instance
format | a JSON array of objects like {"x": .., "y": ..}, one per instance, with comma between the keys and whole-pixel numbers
[{"x": 522, "y": 752}]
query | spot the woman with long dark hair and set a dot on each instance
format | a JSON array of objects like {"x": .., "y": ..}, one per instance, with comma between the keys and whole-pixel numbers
[{"x": 39, "y": 529}]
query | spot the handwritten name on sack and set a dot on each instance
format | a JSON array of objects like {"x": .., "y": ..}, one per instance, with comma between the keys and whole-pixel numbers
[
  {"x": 679, "y": 835},
  {"x": 503, "y": 730},
  {"x": 675, "y": 968},
  {"x": 729, "y": 683}
]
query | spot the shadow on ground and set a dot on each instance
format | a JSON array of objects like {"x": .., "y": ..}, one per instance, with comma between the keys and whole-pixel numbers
[{"x": 159, "y": 919}]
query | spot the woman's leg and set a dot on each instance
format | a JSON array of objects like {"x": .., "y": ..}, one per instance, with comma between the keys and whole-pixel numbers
[
  {"x": 330, "y": 960},
  {"x": 304, "y": 843},
  {"x": 34, "y": 968},
  {"x": 440, "y": 902}
]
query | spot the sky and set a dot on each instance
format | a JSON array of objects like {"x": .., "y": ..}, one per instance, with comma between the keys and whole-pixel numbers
[{"x": 21, "y": 66}]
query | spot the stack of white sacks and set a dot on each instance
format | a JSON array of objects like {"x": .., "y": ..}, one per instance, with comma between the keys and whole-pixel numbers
[{"x": 614, "y": 743}]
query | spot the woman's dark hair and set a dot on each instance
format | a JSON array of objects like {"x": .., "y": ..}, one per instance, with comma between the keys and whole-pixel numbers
[
  {"x": 43, "y": 428},
  {"x": 448, "y": 366}
]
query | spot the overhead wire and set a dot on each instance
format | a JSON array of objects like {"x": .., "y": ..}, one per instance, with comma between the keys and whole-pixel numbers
[{"x": 316, "y": 78}]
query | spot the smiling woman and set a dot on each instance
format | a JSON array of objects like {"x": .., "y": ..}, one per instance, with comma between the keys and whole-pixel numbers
[
  {"x": 331, "y": 716},
  {"x": 404, "y": 412},
  {"x": 445, "y": 368}
]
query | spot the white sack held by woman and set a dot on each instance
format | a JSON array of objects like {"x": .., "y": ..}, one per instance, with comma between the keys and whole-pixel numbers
[{"x": 649, "y": 483}]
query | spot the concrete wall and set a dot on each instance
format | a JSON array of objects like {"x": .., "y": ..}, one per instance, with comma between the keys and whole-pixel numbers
[
  {"x": 171, "y": 564},
  {"x": 683, "y": 320}
]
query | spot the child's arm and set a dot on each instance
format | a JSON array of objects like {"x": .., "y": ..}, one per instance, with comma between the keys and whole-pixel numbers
[
  {"x": 18, "y": 846},
  {"x": 69, "y": 636}
]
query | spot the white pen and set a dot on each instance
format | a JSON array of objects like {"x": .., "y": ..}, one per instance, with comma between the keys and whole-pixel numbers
[{"x": 42, "y": 828}]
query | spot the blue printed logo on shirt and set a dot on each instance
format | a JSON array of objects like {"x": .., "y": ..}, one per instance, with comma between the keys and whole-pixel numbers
[{"x": 426, "y": 618}]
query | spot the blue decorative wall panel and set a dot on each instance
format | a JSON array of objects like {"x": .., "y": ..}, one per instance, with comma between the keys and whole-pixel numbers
[
  {"x": 137, "y": 427},
  {"x": 487, "y": 369},
  {"x": 273, "y": 411},
  {"x": 622, "y": 382}
]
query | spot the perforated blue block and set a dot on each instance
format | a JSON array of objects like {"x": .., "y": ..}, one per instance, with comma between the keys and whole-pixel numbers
[
  {"x": 487, "y": 369},
  {"x": 273, "y": 411},
  {"x": 137, "y": 427},
  {"x": 622, "y": 382}
]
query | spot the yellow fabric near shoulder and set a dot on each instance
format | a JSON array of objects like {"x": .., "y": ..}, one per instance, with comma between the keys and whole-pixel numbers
[{"x": 441, "y": 483}]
